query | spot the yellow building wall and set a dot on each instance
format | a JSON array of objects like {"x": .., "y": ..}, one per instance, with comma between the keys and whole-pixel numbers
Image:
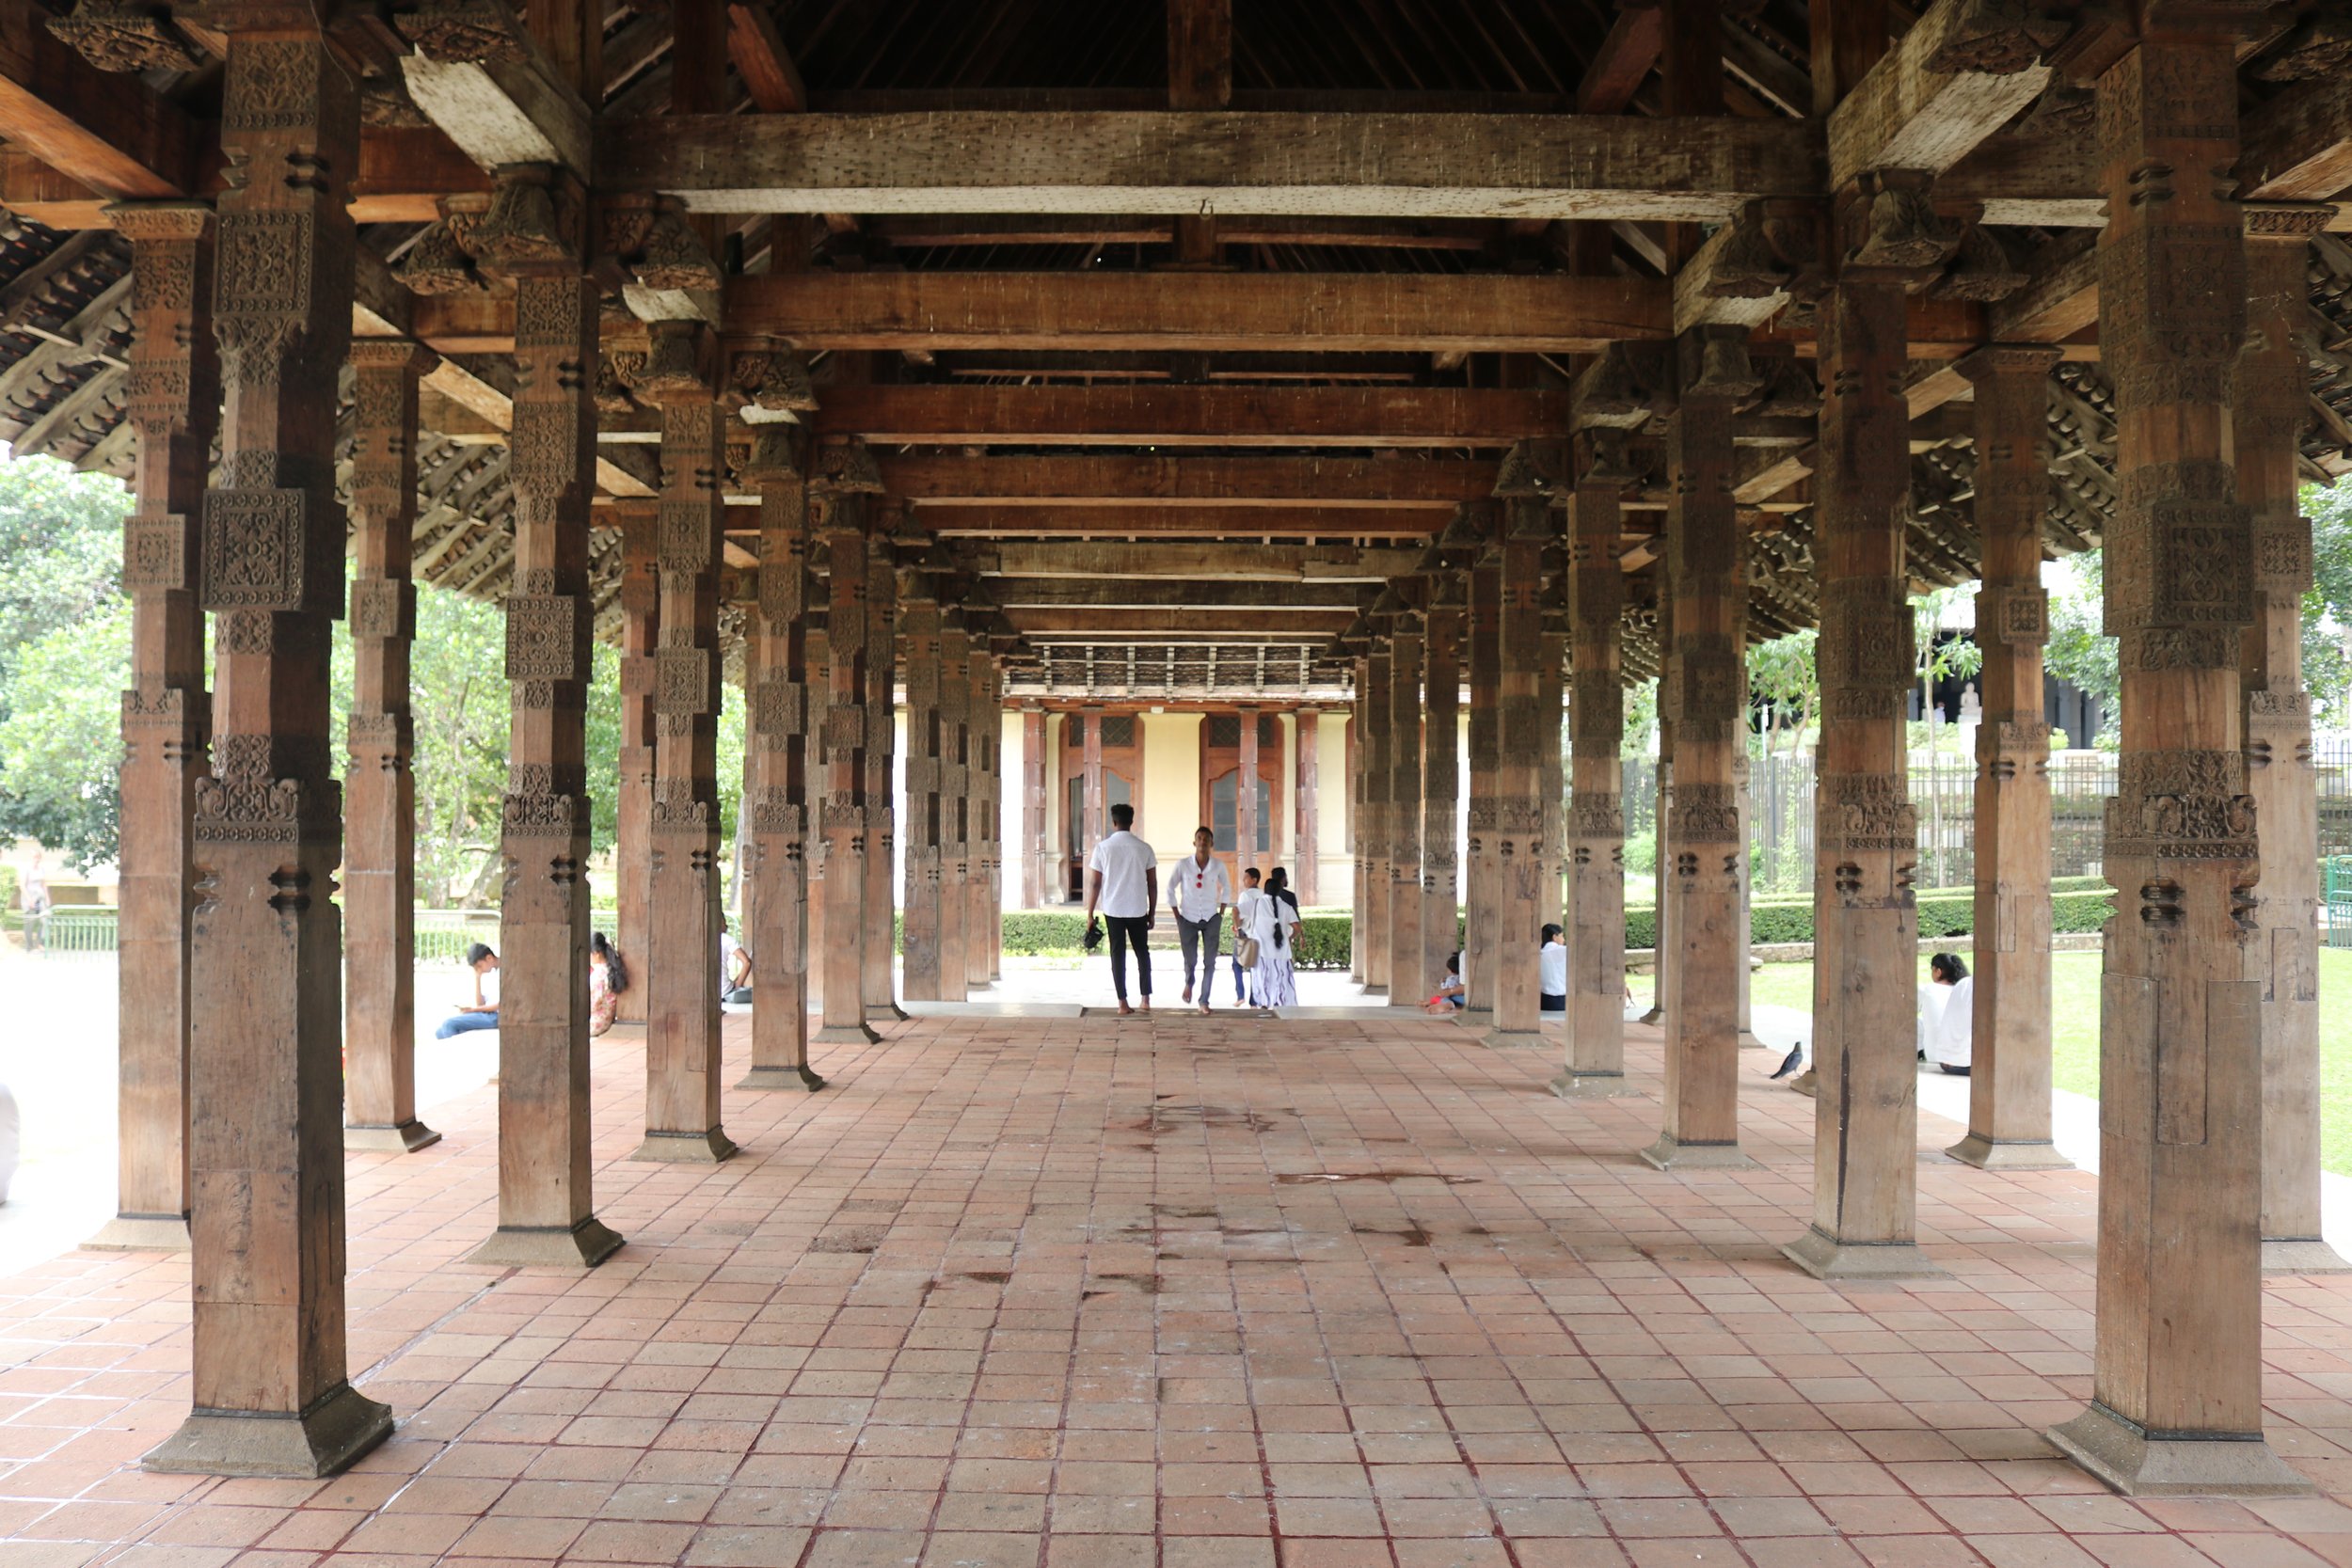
[
  {"x": 1171, "y": 783},
  {"x": 1336, "y": 872}
]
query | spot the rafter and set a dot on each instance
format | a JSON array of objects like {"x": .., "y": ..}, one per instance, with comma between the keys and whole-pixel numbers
[
  {"x": 1214, "y": 416},
  {"x": 1333, "y": 483}
]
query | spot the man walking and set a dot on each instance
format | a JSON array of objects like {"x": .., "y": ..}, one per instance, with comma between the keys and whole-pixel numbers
[
  {"x": 1123, "y": 876},
  {"x": 1202, "y": 896}
]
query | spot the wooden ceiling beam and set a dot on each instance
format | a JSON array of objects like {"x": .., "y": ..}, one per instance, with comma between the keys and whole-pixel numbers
[
  {"x": 1903, "y": 114},
  {"x": 1209, "y": 312},
  {"x": 1103, "y": 563},
  {"x": 1197, "y": 623},
  {"x": 500, "y": 112},
  {"x": 112, "y": 132},
  {"x": 2298, "y": 147},
  {"x": 1179, "y": 163},
  {"x": 1635, "y": 35},
  {"x": 403, "y": 173},
  {"x": 1212, "y": 416},
  {"x": 1333, "y": 483},
  {"x": 1014, "y": 594},
  {"x": 1106, "y": 521}
]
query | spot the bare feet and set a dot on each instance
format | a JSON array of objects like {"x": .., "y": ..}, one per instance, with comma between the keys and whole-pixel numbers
[
  {"x": 1125, "y": 1011},
  {"x": 1147, "y": 1004},
  {"x": 1187, "y": 993},
  {"x": 1204, "y": 1010}
]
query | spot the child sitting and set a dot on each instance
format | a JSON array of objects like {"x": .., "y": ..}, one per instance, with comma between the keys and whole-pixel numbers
[{"x": 1449, "y": 996}]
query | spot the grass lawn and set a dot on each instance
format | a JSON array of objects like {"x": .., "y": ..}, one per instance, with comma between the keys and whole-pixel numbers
[{"x": 2074, "y": 1040}]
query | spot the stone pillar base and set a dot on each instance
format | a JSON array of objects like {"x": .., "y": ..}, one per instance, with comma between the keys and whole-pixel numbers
[
  {"x": 1572, "y": 1084},
  {"x": 1806, "y": 1085},
  {"x": 2287, "y": 1255},
  {"x": 889, "y": 1012},
  {"x": 322, "y": 1441},
  {"x": 583, "y": 1246},
  {"x": 406, "y": 1138},
  {"x": 782, "y": 1078},
  {"x": 2120, "y": 1453},
  {"x": 1825, "y": 1256},
  {"x": 2008, "y": 1154},
  {"x": 1656, "y": 1015},
  {"x": 1504, "y": 1039},
  {"x": 846, "y": 1034},
  {"x": 141, "y": 1233},
  {"x": 1748, "y": 1042},
  {"x": 1671, "y": 1153},
  {"x": 1374, "y": 993},
  {"x": 1480, "y": 1018},
  {"x": 687, "y": 1149}
]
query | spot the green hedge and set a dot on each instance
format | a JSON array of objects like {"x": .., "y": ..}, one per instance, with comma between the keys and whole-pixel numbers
[
  {"x": 1323, "y": 937},
  {"x": 2077, "y": 904}
]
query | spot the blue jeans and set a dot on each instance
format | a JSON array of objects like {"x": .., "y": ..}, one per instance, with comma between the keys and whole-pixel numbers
[{"x": 465, "y": 1023}]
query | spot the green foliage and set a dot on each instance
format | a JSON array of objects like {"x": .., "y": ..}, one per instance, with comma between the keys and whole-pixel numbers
[
  {"x": 2327, "y": 608},
  {"x": 1641, "y": 718},
  {"x": 1323, "y": 936},
  {"x": 2077, "y": 904},
  {"x": 61, "y": 740},
  {"x": 1785, "y": 677},
  {"x": 462, "y": 707},
  {"x": 1641, "y": 853},
  {"x": 2080, "y": 650},
  {"x": 604, "y": 748}
]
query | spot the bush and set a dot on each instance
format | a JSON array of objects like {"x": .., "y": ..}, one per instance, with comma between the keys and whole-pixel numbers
[
  {"x": 1641, "y": 854},
  {"x": 2078, "y": 904}
]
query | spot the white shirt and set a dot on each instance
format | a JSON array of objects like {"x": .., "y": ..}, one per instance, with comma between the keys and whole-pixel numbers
[
  {"x": 1554, "y": 959},
  {"x": 1123, "y": 859},
  {"x": 728, "y": 947},
  {"x": 1200, "y": 891},
  {"x": 489, "y": 991},
  {"x": 1951, "y": 1037},
  {"x": 1244, "y": 901},
  {"x": 1258, "y": 919}
]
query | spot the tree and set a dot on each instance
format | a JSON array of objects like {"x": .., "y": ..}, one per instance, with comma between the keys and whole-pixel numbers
[
  {"x": 2080, "y": 651},
  {"x": 1784, "y": 679},
  {"x": 2327, "y": 608},
  {"x": 459, "y": 694},
  {"x": 61, "y": 742}
]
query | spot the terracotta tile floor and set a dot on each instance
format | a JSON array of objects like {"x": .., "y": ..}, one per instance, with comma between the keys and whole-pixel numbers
[{"x": 1191, "y": 1295}]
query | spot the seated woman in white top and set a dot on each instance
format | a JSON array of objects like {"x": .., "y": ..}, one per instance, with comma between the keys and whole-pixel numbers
[
  {"x": 1552, "y": 970},
  {"x": 1952, "y": 1035}
]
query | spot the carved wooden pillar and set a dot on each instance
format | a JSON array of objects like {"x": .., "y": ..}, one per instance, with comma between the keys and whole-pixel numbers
[
  {"x": 1245, "y": 791},
  {"x": 682, "y": 1087},
  {"x": 1379, "y": 779},
  {"x": 1662, "y": 810},
  {"x": 1091, "y": 761},
  {"x": 777, "y": 758},
  {"x": 1479, "y": 961},
  {"x": 928, "y": 751},
  {"x": 983, "y": 917},
  {"x": 819, "y": 776},
  {"x": 1442, "y": 781},
  {"x": 2009, "y": 1086},
  {"x": 955, "y": 806},
  {"x": 845, "y": 479},
  {"x": 632, "y": 839},
  {"x": 173, "y": 403},
  {"x": 1360, "y": 925},
  {"x": 2176, "y": 1391},
  {"x": 270, "y": 1389},
  {"x": 380, "y": 804},
  {"x": 1866, "y": 955},
  {"x": 1307, "y": 833},
  {"x": 2271, "y": 406},
  {"x": 1699, "y": 926},
  {"x": 881, "y": 793},
  {"x": 1405, "y": 814},
  {"x": 1552, "y": 676},
  {"x": 1032, "y": 807},
  {"x": 1596, "y": 1022},
  {"x": 1517, "y": 824}
]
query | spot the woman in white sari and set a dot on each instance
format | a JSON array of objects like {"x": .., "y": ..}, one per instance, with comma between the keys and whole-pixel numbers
[{"x": 1274, "y": 925}]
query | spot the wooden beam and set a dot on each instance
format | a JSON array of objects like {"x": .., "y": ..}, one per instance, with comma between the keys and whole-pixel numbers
[
  {"x": 1172, "y": 593},
  {"x": 111, "y": 132},
  {"x": 1220, "y": 416},
  {"x": 1200, "y": 53},
  {"x": 1225, "y": 163},
  {"x": 1625, "y": 57},
  {"x": 1255, "y": 625},
  {"x": 1101, "y": 562},
  {"x": 521, "y": 111},
  {"x": 1903, "y": 114},
  {"x": 403, "y": 172},
  {"x": 1353, "y": 313},
  {"x": 1103, "y": 520},
  {"x": 1333, "y": 483},
  {"x": 2298, "y": 147},
  {"x": 2060, "y": 302},
  {"x": 761, "y": 59}
]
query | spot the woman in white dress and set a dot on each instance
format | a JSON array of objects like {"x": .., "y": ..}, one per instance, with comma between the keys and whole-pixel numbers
[
  {"x": 1273, "y": 922},
  {"x": 1951, "y": 1037}
]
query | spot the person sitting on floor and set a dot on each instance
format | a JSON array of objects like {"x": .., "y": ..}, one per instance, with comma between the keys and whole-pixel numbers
[
  {"x": 1553, "y": 972},
  {"x": 607, "y": 976},
  {"x": 734, "y": 967},
  {"x": 1449, "y": 996},
  {"x": 482, "y": 1010},
  {"x": 1951, "y": 1040}
]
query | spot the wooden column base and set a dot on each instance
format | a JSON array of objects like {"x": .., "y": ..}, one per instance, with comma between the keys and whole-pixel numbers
[
  {"x": 1504, "y": 1039},
  {"x": 1806, "y": 1085},
  {"x": 2003, "y": 1154},
  {"x": 516, "y": 1246},
  {"x": 321, "y": 1441},
  {"x": 1656, "y": 1013},
  {"x": 2294, "y": 1255},
  {"x": 707, "y": 1147},
  {"x": 846, "y": 1034},
  {"x": 141, "y": 1233},
  {"x": 406, "y": 1138},
  {"x": 1825, "y": 1256},
  {"x": 2120, "y": 1453},
  {"x": 1480, "y": 1018},
  {"x": 1572, "y": 1084},
  {"x": 782, "y": 1078},
  {"x": 1748, "y": 1042},
  {"x": 1671, "y": 1153}
]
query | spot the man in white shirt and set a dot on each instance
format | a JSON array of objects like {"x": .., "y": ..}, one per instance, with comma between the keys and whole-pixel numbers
[
  {"x": 1123, "y": 876},
  {"x": 1201, "y": 894},
  {"x": 734, "y": 967},
  {"x": 479, "y": 1008}
]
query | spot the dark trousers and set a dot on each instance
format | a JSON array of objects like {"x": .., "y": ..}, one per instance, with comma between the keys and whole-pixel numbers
[
  {"x": 1198, "y": 937},
  {"x": 1127, "y": 930}
]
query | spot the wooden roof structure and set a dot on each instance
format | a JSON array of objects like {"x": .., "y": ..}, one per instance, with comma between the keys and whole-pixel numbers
[{"x": 1173, "y": 368}]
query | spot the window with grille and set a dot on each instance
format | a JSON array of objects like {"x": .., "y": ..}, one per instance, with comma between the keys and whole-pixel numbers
[
  {"x": 1224, "y": 730},
  {"x": 1118, "y": 729}
]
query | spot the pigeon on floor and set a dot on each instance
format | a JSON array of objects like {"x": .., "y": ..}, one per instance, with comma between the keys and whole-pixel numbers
[{"x": 1795, "y": 1060}]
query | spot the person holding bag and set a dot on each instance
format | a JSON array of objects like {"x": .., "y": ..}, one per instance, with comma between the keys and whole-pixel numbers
[{"x": 1273, "y": 932}]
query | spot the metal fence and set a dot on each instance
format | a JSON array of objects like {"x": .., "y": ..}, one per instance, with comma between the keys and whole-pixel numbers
[
  {"x": 442, "y": 935},
  {"x": 1780, "y": 791}
]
